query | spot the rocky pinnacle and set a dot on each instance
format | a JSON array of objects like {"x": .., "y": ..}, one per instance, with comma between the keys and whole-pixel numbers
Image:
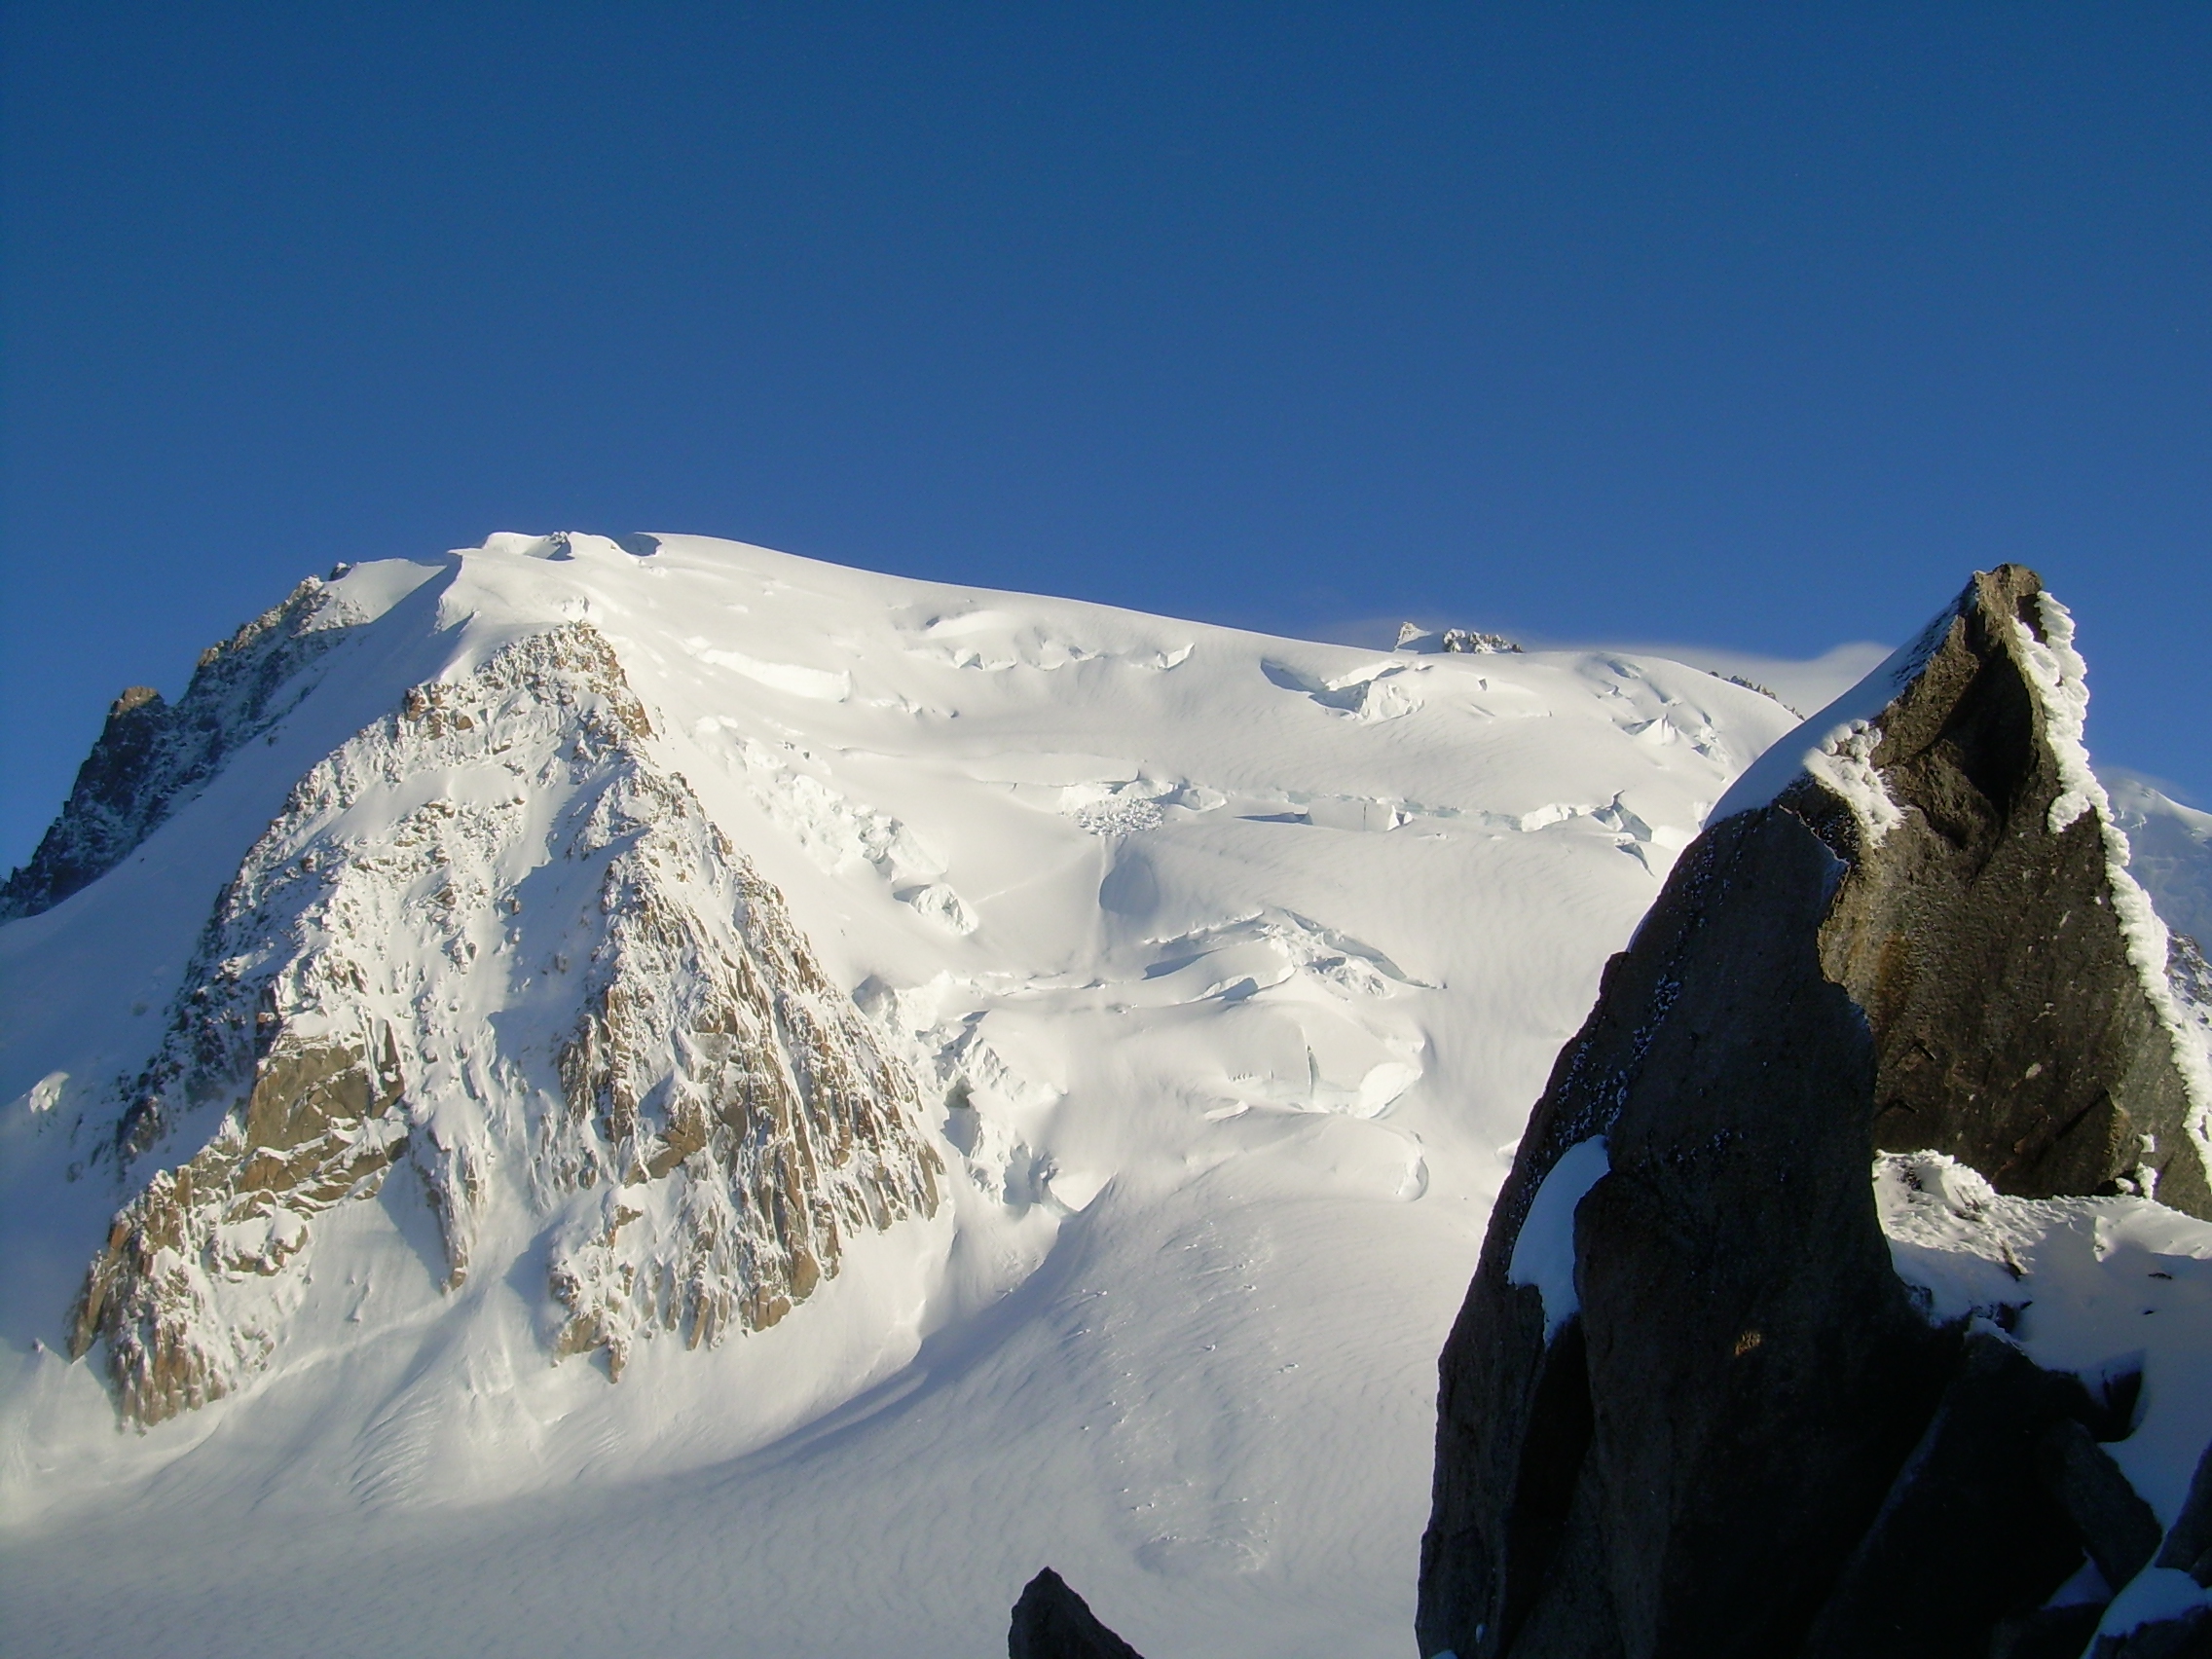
[{"x": 1911, "y": 928}]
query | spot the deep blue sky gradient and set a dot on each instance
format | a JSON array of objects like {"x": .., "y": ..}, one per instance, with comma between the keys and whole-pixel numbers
[{"x": 1751, "y": 325}]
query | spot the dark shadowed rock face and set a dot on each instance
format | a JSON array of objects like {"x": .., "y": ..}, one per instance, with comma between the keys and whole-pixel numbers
[
  {"x": 1050, "y": 1621},
  {"x": 1716, "y": 1426},
  {"x": 153, "y": 756}
]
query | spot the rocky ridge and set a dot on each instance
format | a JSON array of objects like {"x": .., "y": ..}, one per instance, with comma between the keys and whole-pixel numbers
[
  {"x": 153, "y": 755},
  {"x": 490, "y": 940},
  {"x": 1690, "y": 1405}
]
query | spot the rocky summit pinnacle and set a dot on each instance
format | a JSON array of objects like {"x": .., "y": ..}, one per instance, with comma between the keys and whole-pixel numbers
[
  {"x": 2013, "y": 973},
  {"x": 1690, "y": 1405}
]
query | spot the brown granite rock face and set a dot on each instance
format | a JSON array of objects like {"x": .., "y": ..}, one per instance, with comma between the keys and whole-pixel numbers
[
  {"x": 718, "y": 1077},
  {"x": 1916, "y": 943},
  {"x": 1982, "y": 933},
  {"x": 317, "y": 1128},
  {"x": 491, "y": 940}
]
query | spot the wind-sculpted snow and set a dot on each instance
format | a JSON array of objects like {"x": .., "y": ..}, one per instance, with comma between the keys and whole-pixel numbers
[{"x": 489, "y": 933}]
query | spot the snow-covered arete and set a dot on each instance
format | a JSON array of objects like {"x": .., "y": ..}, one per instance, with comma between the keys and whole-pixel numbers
[{"x": 1833, "y": 745}]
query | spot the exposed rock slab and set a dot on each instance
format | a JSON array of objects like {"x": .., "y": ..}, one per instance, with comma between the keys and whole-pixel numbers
[
  {"x": 2184, "y": 1560},
  {"x": 1687, "y": 1407},
  {"x": 2013, "y": 976}
]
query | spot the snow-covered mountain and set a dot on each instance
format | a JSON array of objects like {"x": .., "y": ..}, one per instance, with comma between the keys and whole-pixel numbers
[{"x": 672, "y": 1094}]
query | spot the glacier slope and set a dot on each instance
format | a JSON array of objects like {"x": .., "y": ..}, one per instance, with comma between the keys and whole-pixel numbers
[{"x": 1226, "y": 966}]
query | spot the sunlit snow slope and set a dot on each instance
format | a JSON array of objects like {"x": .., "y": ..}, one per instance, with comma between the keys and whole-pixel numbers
[{"x": 1207, "y": 978}]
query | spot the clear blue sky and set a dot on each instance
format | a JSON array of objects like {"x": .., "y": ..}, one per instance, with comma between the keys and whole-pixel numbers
[{"x": 1752, "y": 326}]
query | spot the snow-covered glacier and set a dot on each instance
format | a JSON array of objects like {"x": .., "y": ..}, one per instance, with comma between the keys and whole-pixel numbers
[{"x": 671, "y": 1095}]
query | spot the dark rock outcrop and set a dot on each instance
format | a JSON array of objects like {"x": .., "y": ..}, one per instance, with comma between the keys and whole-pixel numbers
[
  {"x": 1050, "y": 1621},
  {"x": 1715, "y": 1423},
  {"x": 1992, "y": 1512},
  {"x": 2188, "y": 1549},
  {"x": 153, "y": 756},
  {"x": 1470, "y": 641},
  {"x": 1979, "y": 925}
]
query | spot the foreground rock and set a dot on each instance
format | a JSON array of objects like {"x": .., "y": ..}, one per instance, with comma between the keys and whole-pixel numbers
[
  {"x": 2175, "y": 1612},
  {"x": 1690, "y": 1407},
  {"x": 1050, "y": 1621}
]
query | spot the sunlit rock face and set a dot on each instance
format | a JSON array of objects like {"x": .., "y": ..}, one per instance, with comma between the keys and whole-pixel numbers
[
  {"x": 1690, "y": 1405},
  {"x": 2011, "y": 972},
  {"x": 490, "y": 943}
]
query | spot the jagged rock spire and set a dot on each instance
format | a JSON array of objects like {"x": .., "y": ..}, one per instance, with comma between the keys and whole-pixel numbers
[
  {"x": 1686, "y": 1376},
  {"x": 152, "y": 755},
  {"x": 2013, "y": 973}
]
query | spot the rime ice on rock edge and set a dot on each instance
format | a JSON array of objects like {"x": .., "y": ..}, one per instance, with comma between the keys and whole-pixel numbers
[{"x": 490, "y": 937}]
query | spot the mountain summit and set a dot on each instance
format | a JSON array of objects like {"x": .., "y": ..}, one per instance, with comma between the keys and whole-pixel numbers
[{"x": 798, "y": 1089}]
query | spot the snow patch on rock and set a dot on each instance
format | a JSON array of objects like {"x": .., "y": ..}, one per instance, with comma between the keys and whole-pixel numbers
[
  {"x": 1543, "y": 1250},
  {"x": 1845, "y": 763},
  {"x": 2100, "y": 1287}
]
